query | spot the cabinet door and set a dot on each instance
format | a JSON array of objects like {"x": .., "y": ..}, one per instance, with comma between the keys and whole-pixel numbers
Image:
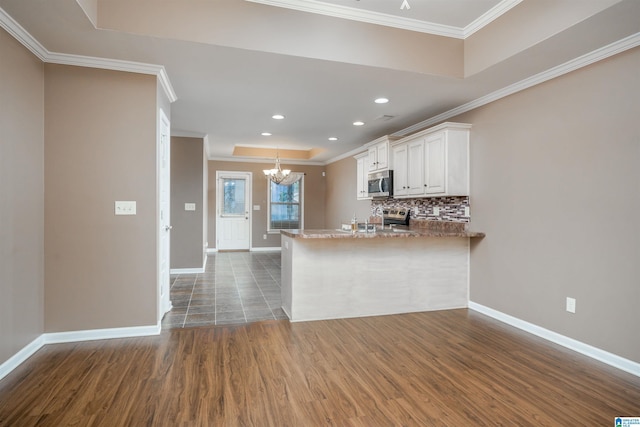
[
  {"x": 415, "y": 168},
  {"x": 382, "y": 156},
  {"x": 434, "y": 149},
  {"x": 362, "y": 168},
  {"x": 400, "y": 170},
  {"x": 372, "y": 159}
]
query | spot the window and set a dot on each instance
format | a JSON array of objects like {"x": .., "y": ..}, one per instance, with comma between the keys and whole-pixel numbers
[{"x": 285, "y": 206}]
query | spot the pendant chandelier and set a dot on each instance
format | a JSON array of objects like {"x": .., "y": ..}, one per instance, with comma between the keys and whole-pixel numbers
[{"x": 276, "y": 174}]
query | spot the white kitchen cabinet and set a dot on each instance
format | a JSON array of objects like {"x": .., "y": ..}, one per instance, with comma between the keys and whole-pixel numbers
[
  {"x": 362, "y": 172},
  {"x": 378, "y": 151},
  {"x": 415, "y": 167},
  {"x": 433, "y": 162},
  {"x": 399, "y": 166}
]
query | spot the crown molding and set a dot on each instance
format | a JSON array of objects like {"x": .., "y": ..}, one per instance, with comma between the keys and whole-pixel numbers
[
  {"x": 371, "y": 17},
  {"x": 492, "y": 14},
  {"x": 34, "y": 46},
  {"x": 582, "y": 61},
  {"x": 264, "y": 160},
  {"x": 20, "y": 34},
  {"x": 351, "y": 153}
]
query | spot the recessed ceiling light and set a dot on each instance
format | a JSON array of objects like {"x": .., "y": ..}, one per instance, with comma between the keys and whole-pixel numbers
[
  {"x": 265, "y": 134},
  {"x": 358, "y": 123},
  {"x": 333, "y": 138},
  {"x": 381, "y": 101},
  {"x": 277, "y": 116}
]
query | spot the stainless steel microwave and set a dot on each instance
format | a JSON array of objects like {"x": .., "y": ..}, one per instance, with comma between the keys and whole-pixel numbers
[{"x": 380, "y": 184}]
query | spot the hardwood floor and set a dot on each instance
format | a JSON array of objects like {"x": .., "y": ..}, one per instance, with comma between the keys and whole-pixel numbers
[{"x": 446, "y": 368}]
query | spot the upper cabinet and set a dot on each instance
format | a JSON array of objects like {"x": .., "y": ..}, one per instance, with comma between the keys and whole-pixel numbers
[
  {"x": 433, "y": 162},
  {"x": 362, "y": 172},
  {"x": 378, "y": 154}
]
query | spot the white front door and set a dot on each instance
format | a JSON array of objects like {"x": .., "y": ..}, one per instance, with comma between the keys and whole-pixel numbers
[
  {"x": 164, "y": 219},
  {"x": 233, "y": 213}
]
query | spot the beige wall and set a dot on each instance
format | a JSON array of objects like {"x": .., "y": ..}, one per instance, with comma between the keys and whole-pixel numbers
[
  {"x": 100, "y": 134},
  {"x": 341, "y": 199},
  {"x": 527, "y": 24},
  {"x": 21, "y": 197},
  {"x": 314, "y": 199},
  {"x": 555, "y": 173},
  {"x": 187, "y": 186}
]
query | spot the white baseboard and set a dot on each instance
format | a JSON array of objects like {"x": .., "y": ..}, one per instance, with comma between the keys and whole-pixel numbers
[
  {"x": 271, "y": 249},
  {"x": 186, "y": 271},
  {"x": 595, "y": 353},
  {"x": 26, "y": 352},
  {"x": 101, "y": 334},
  {"x": 74, "y": 336},
  {"x": 190, "y": 270}
]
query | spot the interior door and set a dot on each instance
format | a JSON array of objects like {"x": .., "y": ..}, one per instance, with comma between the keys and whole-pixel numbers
[
  {"x": 164, "y": 218},
  {"x": 233, "y": 213}
]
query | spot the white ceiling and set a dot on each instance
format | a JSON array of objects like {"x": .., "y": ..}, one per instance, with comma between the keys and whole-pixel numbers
[{"x": 227, "y": 89}]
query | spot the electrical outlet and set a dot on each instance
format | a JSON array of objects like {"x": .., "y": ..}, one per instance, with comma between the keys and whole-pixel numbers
[
  {"x": 436, "y": 211},
  {"x": 466, "y": 211},
  {"x": 571, "y": 305},
  {"x": 264, "y": 236}
]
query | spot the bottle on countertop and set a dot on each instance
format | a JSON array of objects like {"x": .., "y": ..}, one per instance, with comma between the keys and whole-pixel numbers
[{"x": 354, "y": 223}]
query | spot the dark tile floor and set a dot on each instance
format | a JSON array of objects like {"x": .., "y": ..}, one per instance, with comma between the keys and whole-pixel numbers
[{"x": 236, "y": 287}]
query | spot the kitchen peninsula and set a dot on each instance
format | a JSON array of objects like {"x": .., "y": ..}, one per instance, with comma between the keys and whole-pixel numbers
[{"x": 330, "y": 274}]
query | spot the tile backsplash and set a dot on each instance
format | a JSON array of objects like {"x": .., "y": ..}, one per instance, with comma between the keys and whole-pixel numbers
[{"x": 449, "y": 208}]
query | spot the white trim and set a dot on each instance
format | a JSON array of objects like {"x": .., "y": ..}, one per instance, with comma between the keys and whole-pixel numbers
[
  {"x": 371, "y": 17},
  {"x": 575, "y": 345},
  {"x": 20, "y": 34},
  {"x": 266, "y": 249},
  {"x": 102, "y": 334},
  {"x": 491, "y": 15},
  {"x": 186, "y": 270},
  {"x": 211, "y": 251},
  {"x": 27, "y": 351},
  {"x": 265, "y": 160},
  {"x": 191, "y": 270},
  {"x": 74, "y": 336},
  {"x": 28, "y": 41},
  {"x": 597, "y": 55},
  {"x": 352, "y": 153}
]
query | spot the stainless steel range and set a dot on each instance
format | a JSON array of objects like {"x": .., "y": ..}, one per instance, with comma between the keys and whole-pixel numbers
[{"x": 396, "y": 217}]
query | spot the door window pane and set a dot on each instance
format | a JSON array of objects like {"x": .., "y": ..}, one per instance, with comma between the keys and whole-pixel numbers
[{"x": 234, "y": 195}]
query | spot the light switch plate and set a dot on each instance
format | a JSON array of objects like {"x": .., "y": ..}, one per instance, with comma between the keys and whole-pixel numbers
[
  {"x": 189, "y": 206},
  {"x": 125, "y": 207},
  {"x": 571, "y": 305},
  {"x": 256, "y": 207}
]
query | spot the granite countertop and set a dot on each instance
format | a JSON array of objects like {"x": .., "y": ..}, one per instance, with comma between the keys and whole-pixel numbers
[{"x": 417, "y": 229}]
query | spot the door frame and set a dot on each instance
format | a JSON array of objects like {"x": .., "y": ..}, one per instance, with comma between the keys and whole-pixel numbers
[
  {"x": 240, "y": 174},
  {"x": 163, "y": 176}
]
